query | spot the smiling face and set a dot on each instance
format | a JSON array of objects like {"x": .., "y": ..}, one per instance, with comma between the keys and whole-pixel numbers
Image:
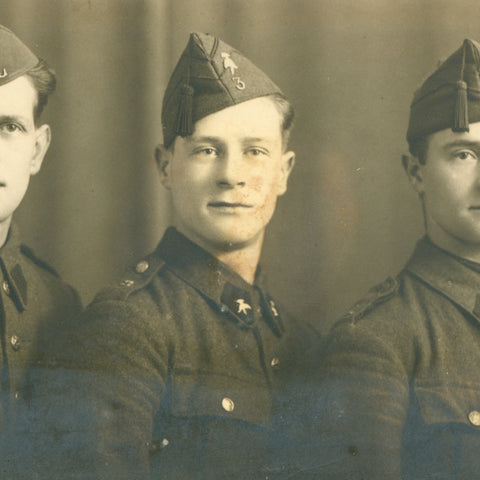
[
  {"x": 22, "y": 144},
  {"x": 225, "y": 178},
  {"x": 449, "y": 183}
]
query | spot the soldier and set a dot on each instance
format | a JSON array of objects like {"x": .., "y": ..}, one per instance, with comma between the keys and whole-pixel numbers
[
  {"x": 181, "y": 361},
  {"x": 35, "y": 302},
  {"x": 399, "y": 393}
]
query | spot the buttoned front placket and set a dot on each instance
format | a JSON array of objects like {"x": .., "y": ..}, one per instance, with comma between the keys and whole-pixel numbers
[{"x": 13, "y": 302}]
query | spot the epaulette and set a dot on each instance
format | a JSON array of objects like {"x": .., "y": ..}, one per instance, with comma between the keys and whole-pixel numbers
[
  {"x": 375, "y": 296},
  {"x": 134, "y": 279},
  {"x": 28, "y": 252}
]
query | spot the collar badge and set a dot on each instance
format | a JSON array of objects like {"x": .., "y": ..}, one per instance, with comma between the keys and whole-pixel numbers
[
  {"x": 273, "y": 308},
  {"x": 243, "y": 307}
]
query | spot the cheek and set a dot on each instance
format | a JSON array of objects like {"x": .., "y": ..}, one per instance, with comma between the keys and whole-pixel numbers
[
  {"x": 445, "y": 186},
  {"x": 266, "y": 180}
]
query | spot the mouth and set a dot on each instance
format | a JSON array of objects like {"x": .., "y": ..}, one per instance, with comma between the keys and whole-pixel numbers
[
  {"x": 474, "y": 207},
  {"x": 229, "y": 205}
]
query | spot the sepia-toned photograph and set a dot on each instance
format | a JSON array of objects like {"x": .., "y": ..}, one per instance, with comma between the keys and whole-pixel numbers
[{"x": 239, "y": 239}]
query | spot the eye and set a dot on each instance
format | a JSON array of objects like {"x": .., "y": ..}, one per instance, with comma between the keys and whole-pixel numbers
[
  {"x": 465, "y": 155},
  {"x": 206, "y": 151},
  {"x": 256, "y": 152},
  {"x": 10, "y": 127}
]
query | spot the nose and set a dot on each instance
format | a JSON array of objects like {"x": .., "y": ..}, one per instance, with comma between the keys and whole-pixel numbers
[{"x": 231, "y": 170}]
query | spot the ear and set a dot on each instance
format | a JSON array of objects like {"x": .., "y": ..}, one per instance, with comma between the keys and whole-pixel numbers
[
  {"x": 163, "y": 157},
  {"x": 288, "y": 162},
  {"x": 414, "y": 171},
  {"x": 43, "y": 137}
]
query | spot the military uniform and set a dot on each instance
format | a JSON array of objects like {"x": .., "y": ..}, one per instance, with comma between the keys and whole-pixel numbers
[
  {"x": 35, "y": 306},
  {"x": 397, "y": 391},
  {"x": 180, "y": 364},
  {"x": 399, "y": 396}
]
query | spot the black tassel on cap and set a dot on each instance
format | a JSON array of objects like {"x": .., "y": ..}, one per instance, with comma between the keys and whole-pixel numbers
[
  {"x": 460, "y": 123},
  {"x": 460, "y": 119},
  {"x": 183, "y": 124}
]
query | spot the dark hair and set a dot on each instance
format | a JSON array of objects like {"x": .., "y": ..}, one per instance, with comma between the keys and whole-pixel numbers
[
  {"x": 44, "y": 80},
  {"x": 287, "y": 112},
  {"x": 418, "y": 148}
]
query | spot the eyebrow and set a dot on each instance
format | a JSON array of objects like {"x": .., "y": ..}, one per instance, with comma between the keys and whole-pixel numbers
[
  {"x": 13, "y": 119},
  {"x": 462, "y": 143},
  {"x": 256, "y": 140},
  {"x": 216, "y": 140},
  {"x": 193, "y": 139}
]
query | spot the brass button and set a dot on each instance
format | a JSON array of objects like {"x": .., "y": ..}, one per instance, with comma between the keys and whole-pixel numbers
[
  {"x": 16, "y": 395},
  {"x": 6, "y": 287},
  {"x": 142, "y": 266},
  {"x": 15, "y": 342},
  {"x": 227, "y": 404},
  {"x": 156, "y": 446},
  {"x": 474, "y": 418},
  {"x": 164, "y": 443},
  {"x": 275, "y": 362},
  {"x": 126, "y": 283}
]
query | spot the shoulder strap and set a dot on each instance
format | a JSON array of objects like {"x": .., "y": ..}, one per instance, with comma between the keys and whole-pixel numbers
[
  {"x": 134, "y": 279},
  {"x": 375, "y": 296},
  {"x": 28, "y": 252}
]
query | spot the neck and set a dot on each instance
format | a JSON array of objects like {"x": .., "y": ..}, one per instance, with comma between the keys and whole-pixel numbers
[
  {"x": 242, "y": 259},
  {"x": 454, "y": 245},
  {"x": 4, "y": 228}
]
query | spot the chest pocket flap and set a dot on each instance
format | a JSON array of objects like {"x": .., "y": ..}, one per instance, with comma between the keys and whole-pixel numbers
[
  {"x": 440, "y": 403},
  {"x": 221, "y": 395}
]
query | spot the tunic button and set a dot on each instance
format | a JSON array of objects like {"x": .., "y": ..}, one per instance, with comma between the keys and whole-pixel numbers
[
  {"x": 16, "y": 395},
  {"x": 142, "y": 266},
  {"x": 474, "y": 418},
  {"x": 6, "y": 287},
  {"x": 275, "y": 362},
  {"x": 227, "y": 404},
  {"x": 15, "y": 342},
  {"x": 164, "y": 443},
  {"x": 126, "y": 283}
]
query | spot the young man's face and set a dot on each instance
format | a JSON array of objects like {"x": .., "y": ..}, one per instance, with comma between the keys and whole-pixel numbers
[
  {"x": 225, "y": 178},
  {"x": 22, "y": 146},
  {"x": 449, "y": 182}
]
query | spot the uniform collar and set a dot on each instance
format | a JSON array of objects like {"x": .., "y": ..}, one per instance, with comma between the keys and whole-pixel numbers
[
  {"x": 15, "y": 284},
  {"x": 215, "y": 280},
  {"x": 447, "y": 274}
]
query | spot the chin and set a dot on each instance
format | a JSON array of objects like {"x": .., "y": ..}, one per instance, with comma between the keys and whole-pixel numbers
[{"x": 229, "y": 242}]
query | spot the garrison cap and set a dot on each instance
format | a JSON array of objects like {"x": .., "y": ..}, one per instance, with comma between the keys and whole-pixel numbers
[
  {"x": 209, "y": 77},
  {"x": 450, "y": 97},
  {"x": 15, "y": 57}
]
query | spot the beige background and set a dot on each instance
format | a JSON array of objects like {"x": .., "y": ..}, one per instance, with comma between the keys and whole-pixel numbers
[{"x": 349, "y": 66}]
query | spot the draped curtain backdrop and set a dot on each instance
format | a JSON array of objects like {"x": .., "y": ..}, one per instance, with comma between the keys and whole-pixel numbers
[{"x": 350, "y": 68}]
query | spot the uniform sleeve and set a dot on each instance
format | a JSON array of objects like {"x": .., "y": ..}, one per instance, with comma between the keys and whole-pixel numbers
[
  {"x": 359, "y": 403},
  {"x": 105, "y": 388}
]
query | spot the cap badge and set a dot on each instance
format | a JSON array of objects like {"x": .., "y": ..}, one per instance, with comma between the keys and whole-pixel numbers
[
  {"x": 229, "y": 64},
  {"x": 3, "y": 74},
  {"x": 273, "y": 308},
  {"x": 243, "y": 307}
]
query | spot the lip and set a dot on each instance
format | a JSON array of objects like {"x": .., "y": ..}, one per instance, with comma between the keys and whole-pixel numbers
[{"x": 231, "y": 205}]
